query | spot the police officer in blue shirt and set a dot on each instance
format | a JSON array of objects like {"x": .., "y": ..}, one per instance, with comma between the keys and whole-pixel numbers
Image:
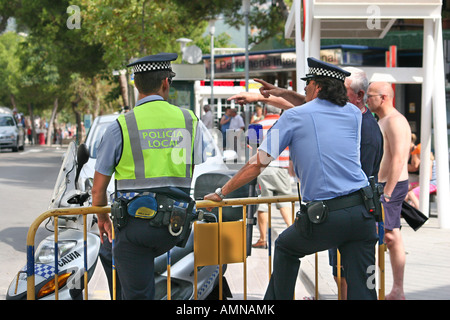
[
  {"x": 152, "y": 151},
  {"x": 323, "y": 136}
]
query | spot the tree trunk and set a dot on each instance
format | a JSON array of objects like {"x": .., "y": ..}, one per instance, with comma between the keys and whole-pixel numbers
[
  {"x": 13, "y": 102},
  {"x": 74, "y": 104},
  {"x": 52, "y": 120},
  {"x": 96, "y": 97},
  {"x": 123, "y": 88},
  {"x": 33, "y": 127}
]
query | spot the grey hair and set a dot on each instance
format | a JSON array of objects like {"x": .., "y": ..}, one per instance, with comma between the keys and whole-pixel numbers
[
  {"x": 272, "y": 109},
  {"x": 358, "y": 80}
]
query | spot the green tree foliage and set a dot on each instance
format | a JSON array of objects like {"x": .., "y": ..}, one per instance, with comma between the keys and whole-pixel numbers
[
  {"x": 266, "y": 17},
  {"x": 9, "y": 68},
  {"x": 47, "y": 21},
  {"x": 73, "y": 65},
  {"x": 135, "y": 28}
]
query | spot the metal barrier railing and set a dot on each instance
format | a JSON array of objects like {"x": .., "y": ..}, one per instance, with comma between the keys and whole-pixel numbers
[
  {"x": 213, "y": 254},
  {"x": 269, "y": 200},
  {"x": 221, "y": 256},
  {"x": 84, "y": 211}
]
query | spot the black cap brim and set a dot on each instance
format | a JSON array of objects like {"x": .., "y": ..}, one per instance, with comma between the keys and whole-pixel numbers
[{"x": 308, "y": 77}]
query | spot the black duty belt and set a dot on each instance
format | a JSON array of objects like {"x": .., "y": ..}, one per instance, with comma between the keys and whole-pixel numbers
[{"x": 350, "y": 200}]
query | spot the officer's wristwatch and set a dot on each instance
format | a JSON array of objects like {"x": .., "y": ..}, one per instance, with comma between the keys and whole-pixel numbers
[{"x": 219, "y": 193}]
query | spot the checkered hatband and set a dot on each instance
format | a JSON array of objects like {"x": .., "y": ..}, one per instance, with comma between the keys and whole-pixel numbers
[
  {"x": 327, "y": 73},
  {"x": 151, "y": 66}
]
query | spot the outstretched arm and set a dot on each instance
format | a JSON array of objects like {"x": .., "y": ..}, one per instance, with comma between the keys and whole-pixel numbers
[
  {"x": 249, "y": 97},
  {"x": 247, "y": 173},
  {"x": 291, "y": 96}
]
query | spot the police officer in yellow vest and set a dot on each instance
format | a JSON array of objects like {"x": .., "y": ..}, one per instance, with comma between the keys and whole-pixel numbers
[{"x": 152, "y": 151}]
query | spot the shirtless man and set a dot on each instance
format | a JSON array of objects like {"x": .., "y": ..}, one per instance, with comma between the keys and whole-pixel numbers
[{"x": 394, "y": 173}]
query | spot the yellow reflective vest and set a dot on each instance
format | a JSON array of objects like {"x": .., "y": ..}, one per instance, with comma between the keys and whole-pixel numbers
[{"x": 158, "y": 147}]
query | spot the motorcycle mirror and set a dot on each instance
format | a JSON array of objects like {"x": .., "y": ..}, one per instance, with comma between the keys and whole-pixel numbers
[{"x": 82, "y": 158}]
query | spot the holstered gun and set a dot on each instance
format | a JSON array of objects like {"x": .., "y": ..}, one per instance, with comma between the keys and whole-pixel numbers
[{"x": 372, "y": 194}]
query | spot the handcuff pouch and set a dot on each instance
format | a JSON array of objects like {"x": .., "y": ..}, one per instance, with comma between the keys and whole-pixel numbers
[{"x": 317, "y": 212}]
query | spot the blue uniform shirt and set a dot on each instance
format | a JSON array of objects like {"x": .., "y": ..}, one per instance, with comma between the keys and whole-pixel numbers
[{"x": 324, "y": 144}]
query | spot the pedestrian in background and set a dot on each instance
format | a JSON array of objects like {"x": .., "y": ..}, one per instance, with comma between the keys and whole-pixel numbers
[
  {"x": 273, "y": 181},
  {"x": 224, "y": 125},
  {"x": 393, "y": 174},
  {"x": 258, "y": 115},
  {"x": 207, "y": 117}
]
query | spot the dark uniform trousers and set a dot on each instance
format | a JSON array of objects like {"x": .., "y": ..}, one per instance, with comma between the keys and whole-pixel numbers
[
  {"x": 135, "y": 249},
  {"x": 352, "y": 230}
]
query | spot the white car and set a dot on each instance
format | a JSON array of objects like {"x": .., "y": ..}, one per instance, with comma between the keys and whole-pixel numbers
[
  {"x": 11, "y": 134},
  {"x": 214, "y": 158}
]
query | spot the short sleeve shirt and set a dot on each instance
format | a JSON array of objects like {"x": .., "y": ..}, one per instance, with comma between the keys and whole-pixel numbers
[{"x": 324, "y": 145}]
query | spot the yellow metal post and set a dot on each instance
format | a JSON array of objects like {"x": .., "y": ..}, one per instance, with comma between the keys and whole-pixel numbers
[
  {"x": 195, "y": 265},
  {"x": 55, "y": 222},
  {"x": 114, "y": 274},
  {"x": 381, "y": 257},
  {"x": 293, "y": 219},
  {"x": 244, "y": 247},
  {"x": 169, "y": 288},
  {"x": 220, "y": 253},
  {"x": 339, "y": 274},
  {"x": 316, "y": 289},
  {"x": 85, "y": 257},
  {"x": 293, "y": 211},
  {"x": 269, "y": 239}
]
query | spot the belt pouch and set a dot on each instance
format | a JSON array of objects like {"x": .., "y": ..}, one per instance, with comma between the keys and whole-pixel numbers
[
  {"x": 317, "y": 212},
  {"x": 119, "y": 213},
  {"x": 377, "y": 189},
  {"x": 302, "y": 222},
  {"x": 177, "y": 218},
  {"x": 368, "y": 197},
  {"x": 143, "y": 207},
  {"x": 164, "y": 211}
]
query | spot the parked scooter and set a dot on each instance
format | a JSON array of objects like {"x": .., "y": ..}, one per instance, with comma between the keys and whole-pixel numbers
[{"x": 71, "y": 264}]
